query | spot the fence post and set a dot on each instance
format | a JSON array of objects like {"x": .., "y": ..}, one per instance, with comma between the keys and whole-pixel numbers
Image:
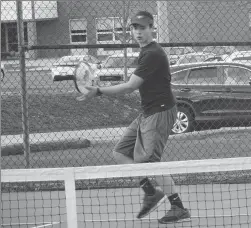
[
  {"x": 0, "y": 134},
  {"x": 24, "y": 95},
  {"x": 124, "y": 22},
  {"x": 163, "y": 27}
]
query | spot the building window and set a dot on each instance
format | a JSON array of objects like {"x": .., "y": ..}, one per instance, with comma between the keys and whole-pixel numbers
[
  {"x": 110, "y": 30},
  {"x": 104, "y": 29},
  {"x": 9, "y": 37},
  {"x": 78, "y": 31},
  {"x": 118, "y": 30}
]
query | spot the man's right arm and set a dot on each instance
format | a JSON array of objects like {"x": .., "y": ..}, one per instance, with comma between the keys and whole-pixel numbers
[{"x": 134, "y": 83}]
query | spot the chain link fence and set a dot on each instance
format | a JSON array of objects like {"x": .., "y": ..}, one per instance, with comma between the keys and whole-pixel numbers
[{"x": 43, "y": 125}]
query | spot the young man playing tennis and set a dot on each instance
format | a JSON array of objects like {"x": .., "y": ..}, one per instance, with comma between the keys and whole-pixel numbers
[{"x": 146, "y": 137}]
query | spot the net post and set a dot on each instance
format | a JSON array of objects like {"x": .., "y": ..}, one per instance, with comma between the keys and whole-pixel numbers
[
  {"x": 0, "y": 138},
  {"x": 70, "y": 194}
]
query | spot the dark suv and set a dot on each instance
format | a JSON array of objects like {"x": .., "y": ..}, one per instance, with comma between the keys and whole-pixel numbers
[{"x": 211, "y": 92}]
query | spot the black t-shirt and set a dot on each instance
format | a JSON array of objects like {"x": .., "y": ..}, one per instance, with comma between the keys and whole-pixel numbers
[{"x": 153, "y": 67}]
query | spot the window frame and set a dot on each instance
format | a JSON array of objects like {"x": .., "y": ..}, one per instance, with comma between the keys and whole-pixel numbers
[
  {"x": 114, "y": 32},
  {"x": 135, "y": 58},
  {"x": 80, "y": 33}
]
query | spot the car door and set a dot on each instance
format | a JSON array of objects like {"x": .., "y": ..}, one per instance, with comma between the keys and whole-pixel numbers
[
  {"x": 237, "y": 92},
  {"x": 201, "y": 87}
]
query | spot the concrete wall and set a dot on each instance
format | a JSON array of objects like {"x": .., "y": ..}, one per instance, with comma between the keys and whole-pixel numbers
[
  {"x": 55, "y": 31},
  {"x": 182, "y": 21},
  {"x": 222, "y": 21},
  {"x": 194, "y": 21}
]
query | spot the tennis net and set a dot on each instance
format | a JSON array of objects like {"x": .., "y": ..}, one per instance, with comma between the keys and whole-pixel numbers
[{"x": 217, "y": 192}]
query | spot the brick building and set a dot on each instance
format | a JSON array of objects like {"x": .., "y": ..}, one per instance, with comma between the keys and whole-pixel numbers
[{"x": 91, "y": 22}]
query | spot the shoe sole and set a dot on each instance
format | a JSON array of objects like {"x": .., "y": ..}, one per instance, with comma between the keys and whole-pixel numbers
[
  {"x": 162, "y": 200},
  {"x": 178, "y": 221}
]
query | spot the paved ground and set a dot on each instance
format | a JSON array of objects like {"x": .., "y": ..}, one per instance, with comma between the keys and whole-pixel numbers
[{"x": 211, "y": 206}]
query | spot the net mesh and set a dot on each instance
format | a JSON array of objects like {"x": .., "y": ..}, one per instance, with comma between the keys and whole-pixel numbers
[{"x": 217, "y": 193}]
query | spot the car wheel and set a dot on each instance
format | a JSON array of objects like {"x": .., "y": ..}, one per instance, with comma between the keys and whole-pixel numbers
[
  {"x": 184, "y": 122},
  {"x": 2, "y": 75}
]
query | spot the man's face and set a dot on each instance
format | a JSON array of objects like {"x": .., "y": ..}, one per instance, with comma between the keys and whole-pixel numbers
[{"x": 142, "y": 34}]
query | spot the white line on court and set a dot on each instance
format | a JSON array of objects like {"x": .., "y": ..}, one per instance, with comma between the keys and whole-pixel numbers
[
  {"x": 25, "y": 223},
  {"x": 151, "y": 218},
  {"x": 40, "y": 225},
  {"x": 46, "y": 225}
]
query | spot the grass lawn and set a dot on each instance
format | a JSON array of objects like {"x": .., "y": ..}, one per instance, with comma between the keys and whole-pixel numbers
[{"x": 62, "y": 112}]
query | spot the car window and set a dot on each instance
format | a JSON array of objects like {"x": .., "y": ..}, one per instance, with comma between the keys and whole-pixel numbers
[
  {"x": 191, "y": 59},
  {"x": 215, "y": 58},
  {"x": 93, "y": 60},
  {"x": 113, "y": 62},
  {"x": 179, "y": 77},
  {"x": 118, "y": 62},
  {"x": 242, "y": 56},
  {"x": 133, "y": 62},
  {"x": 188, "y": 50},
  {"x": 68, "y": 60},
  {"x": 200, "y": 58},
  {"x": 219, "y": 50},
  {"x": 208, "y": 49},
  {"x": 184, "y": 60},
  {"x": 203, "y": 76},
  {"x": 236, "y": 76},
  {"x": 176, "y": 51}
]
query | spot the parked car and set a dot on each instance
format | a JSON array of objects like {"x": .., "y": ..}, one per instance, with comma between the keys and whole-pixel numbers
[
  {"x": 65, "y": 66},
  {"x": 2, "y": 71},
  {"x": 175, "y": 53},
  {"x": 112, "y": 70},
  {"x": 240, "y": 57},
  {"x": 194, "y": 57},
  {"x": 220, "y": 50},
  {"x": 211, "y": 91}
]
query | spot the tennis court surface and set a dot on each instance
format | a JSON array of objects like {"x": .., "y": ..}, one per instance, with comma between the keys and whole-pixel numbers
[{"x": 217, "y": 193}]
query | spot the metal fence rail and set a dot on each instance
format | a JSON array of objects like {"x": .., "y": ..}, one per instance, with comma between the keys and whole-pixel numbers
[{"x": 43, "y": 125}]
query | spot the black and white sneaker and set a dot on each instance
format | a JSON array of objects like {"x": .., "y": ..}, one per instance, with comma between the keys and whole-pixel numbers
[
  {"x": 175, "y": 214},
  {"x": 150, "y": 203}
]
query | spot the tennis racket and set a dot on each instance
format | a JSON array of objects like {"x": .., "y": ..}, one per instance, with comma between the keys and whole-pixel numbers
[{"x": 84, "y": 75}]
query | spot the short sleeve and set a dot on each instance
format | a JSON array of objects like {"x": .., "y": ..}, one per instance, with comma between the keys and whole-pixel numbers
[{"x": 148, "y": 64}]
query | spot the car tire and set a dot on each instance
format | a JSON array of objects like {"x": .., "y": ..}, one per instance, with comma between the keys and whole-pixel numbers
[
  {"x": 2, "y": 75},
  {"x": 184, "y": 122}
]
